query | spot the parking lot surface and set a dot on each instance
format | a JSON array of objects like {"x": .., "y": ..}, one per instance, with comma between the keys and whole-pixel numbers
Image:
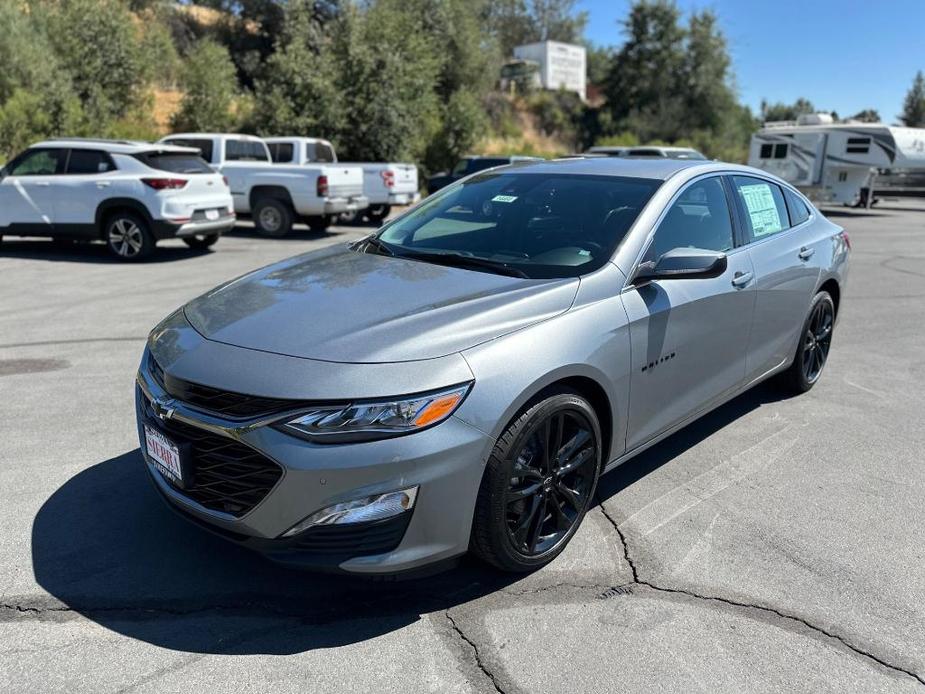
[{"x": 774, "y": 545}]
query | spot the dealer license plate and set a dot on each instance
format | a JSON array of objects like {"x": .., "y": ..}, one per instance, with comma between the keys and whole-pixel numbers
[{"x": 164, "y": 453}]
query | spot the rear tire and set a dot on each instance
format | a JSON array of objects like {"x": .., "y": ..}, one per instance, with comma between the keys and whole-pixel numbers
[
  {"x": 200, "y": 243},
  {"x": 378, "y": 213},
  {"x": 319, "y": 223},
  {"x": 813, "y": 347},
  {"x": 530, "y": 503},
  {"x": 128, "y": 237},
  {"x": 273, "y": 217}
]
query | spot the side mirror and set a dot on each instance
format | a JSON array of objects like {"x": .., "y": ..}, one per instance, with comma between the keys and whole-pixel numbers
[{"x": 683, "y": 263}]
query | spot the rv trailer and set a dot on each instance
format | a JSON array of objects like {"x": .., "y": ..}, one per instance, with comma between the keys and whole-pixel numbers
[{"x": 842, "y": 162}]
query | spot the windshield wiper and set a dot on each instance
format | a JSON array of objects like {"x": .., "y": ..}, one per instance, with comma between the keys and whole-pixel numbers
[
  {"x": 460, "y": 260},
  {"x": 381, "y": 246}
]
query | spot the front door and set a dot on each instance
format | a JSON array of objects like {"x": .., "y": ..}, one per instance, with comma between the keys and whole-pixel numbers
[
  {"x": 27, "y": 192},
  {"x": 87, "y": 181},
  {"x": 688, "y": 336}
]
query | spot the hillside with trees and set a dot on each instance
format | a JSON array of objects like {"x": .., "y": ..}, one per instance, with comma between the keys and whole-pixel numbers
[{"x": 414, "y": 80}]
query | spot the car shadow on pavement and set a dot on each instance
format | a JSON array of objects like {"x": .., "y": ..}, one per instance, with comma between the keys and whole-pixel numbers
[
  {"x": 106, "y": 546},
  {"x": 667, "y": 450},
  {"x": 86, "y": 252}
]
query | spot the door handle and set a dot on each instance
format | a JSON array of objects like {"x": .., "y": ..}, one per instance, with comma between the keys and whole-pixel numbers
[
  {"x": 740, "y": 279},
  {"x": 806, "y": 253},
  {"x": 102, "y": 184}
]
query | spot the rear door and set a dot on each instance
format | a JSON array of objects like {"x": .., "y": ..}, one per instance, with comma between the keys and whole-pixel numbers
[
  {"x": 688, "y": 336},
  {"x": 27, "y": 192},
  {"x": 786, "y": 258},
  {"x": 87, "y": 181}
]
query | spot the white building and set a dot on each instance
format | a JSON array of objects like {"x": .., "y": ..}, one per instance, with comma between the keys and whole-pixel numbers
[{"x": 562, "y": 65}]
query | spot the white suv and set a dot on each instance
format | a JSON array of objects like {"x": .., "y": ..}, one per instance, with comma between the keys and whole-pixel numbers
[{"x": 129, "y": 194}]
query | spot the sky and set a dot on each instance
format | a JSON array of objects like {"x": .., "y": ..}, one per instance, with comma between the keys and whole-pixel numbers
[{"x": 842, "y": 55}]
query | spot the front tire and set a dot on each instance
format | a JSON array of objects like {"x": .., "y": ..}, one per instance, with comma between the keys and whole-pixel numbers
[
  {"x": 538, "y": 484},
  {"x": 200, "y": 243},
  {"x": 814, "y": 345},
  {"x": 273, "y": 217},
  {"x": 128, "y": 237}
]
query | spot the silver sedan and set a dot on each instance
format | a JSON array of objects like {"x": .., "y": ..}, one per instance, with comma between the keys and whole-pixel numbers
[{"x": 460, "y": 379}]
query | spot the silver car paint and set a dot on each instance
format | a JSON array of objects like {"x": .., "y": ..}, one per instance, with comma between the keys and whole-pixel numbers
[{"x": 421, "y": 327}]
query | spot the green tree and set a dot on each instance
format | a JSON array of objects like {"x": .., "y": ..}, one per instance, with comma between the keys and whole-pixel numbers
[
  {"x": 208, "y": 81},
  {"x": 97, "y": 43},
  {"x": 781, "y": 111},
  {"x": 913, "y": 115},
  {"x": 868, "y": 115},
  {"x": 516, "y": 22}
]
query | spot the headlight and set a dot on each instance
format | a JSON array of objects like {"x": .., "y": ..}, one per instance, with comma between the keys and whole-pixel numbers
[{"x": 365, "y": 421}]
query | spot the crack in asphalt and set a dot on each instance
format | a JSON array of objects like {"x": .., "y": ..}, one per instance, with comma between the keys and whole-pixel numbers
[
  {"x": 745, "y": 605},
  {"x": 480, "y": 664}
]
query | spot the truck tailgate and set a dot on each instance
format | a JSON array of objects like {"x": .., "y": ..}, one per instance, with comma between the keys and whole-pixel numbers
[
  {"x": 344, "y": 181},
  {"x": 406, "y": 178}
]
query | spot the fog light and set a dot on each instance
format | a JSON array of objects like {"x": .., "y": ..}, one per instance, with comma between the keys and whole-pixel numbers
[{"x": 370, "y": 508}]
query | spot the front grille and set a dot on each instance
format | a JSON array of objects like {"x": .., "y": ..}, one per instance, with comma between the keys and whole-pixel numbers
[
  {"x": 355, "y": 539},
  {"x": 224, "y": 475},
  {"x": 217, "y": 401}
]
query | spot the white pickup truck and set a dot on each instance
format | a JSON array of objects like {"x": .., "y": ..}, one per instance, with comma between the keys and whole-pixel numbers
[
  {"x": 384, "y": 185},
  {"x": 276, "y": 196}
]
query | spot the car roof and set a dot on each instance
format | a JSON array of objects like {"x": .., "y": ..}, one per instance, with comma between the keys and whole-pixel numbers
[
  {"x": 111, "y": 146},
  {"x": 209, "y": 136},
  {"x": 657, "y": 168}
]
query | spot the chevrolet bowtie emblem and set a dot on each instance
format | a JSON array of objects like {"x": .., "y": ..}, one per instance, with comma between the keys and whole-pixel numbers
[{"x": 163, "y": 409}]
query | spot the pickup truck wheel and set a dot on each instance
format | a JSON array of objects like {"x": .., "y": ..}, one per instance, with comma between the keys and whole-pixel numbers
[
  {"x": 320, "y": 223},
  {"x": 273, "y": 217},
  {"x": 377, "y": 213},
  {"x": 201, "y": 242},
  {"x": 128, "y": 237}
]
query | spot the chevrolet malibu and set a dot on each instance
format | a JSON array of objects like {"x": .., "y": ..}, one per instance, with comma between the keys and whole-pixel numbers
[{"x": 460, "y": 379}]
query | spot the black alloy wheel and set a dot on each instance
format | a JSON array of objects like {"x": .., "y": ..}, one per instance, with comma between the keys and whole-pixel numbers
[
  {"x": 813, "y": 348},
  {"x": 538, "y": 484},
  {"x": 817, "y": 340},
  {"x": 551, "y": 482}
]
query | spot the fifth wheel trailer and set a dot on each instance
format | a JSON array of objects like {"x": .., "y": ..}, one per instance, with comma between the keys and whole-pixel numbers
[{"x": 842, "y": 162}]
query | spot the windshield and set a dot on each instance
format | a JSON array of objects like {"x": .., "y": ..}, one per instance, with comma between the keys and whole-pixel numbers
[{"x": 533, "y": 225}]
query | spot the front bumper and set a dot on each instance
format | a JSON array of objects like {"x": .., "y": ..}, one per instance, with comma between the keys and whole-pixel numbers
[{"x": 446, "y": 462}]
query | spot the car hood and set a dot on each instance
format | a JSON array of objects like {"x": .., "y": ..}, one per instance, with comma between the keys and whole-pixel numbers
[{"x": 343, "y": 306}]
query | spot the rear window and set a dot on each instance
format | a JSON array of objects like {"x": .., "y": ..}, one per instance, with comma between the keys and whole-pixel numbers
[
  {"x": 245, "y": 150},
  {"x": 88, "y": 161},
  {"x": 645, "y": 153},
  {"x": 175, "y": 162},
  {"x": 281, "y": 152},
  {"x": 203, "y": 145},
  {"x": 320, "y": 151}
]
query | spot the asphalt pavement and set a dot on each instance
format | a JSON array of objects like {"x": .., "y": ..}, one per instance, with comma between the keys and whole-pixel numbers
[{"x": 773, "y": 545}]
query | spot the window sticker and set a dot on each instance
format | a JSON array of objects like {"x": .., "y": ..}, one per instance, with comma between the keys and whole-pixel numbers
[
  {"x": 504, "y": 198},
  {"x": 762, "y": 210}
]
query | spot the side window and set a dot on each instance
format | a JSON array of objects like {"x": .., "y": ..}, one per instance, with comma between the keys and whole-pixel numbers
[
  {"x": 762, "y": 206},
  {"x": 766, "y": 151},
  {"x": 281, "y": 152},
  {"x": 324, "y": 152},
  {"x": 460, "y": 168},
  {"x": 88, "y": 161},
  {"x": 797, "y": 208},
  {"x": 699, "y": 218},
  {"x": 858, "y": 145},
  {"x": 39, "y": 162},
  {"x": 244, "y": 150},
  {"x": 780, "y": 150}
]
